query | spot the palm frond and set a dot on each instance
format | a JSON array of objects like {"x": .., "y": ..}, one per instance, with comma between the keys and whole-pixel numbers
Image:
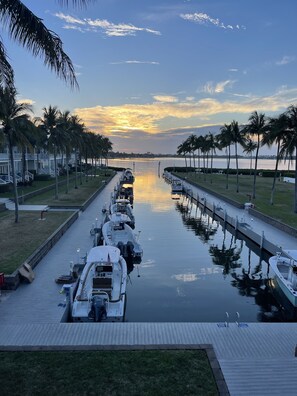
[
  {"x": 29, "y": 31},
  {"x": 6, "y": 71}
]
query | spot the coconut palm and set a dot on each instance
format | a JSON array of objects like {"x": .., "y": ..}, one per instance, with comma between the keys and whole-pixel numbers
[
  {"x": 225, "y": 141},
  {"x": 12, "y": 117},
  {"x": 55, "y": 137},
  {"x": 29, "y": 31},
  {"x": 63, "y": 124},
  {"x": 249, "y": 147},
  {"x": 276, "y": 134},
  {"x": 76, "y": 130},
  {"x": 237, "y": 137},
  {"x": 182, "y": 149},
  {"x": 289, "y": 144},
  {"x": 257, "y": 127}
]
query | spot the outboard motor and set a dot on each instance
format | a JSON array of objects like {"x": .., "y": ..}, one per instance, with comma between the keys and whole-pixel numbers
[
  {"x": 130, "y": 250},
  {"x": 98, "y": 309},
  {"x": 120, "y": 246}
]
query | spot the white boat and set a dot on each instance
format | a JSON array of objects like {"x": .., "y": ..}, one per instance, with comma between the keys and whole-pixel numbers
[
  {"x": 127, "y": 176},
  {"x": 284, "y": 265},
  {"x": 101, "y": 292},
  {"x": 123, "y": 206},
  {"x": 176, "y": 186},
  {"x": 116, "y": 232}
]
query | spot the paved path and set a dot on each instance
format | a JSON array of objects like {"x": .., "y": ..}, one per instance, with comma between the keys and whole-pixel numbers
[{"x": 256, "y": 358}]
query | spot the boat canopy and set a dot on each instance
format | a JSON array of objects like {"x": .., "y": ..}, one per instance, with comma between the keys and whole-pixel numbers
[{"x": 103, "y": 254}]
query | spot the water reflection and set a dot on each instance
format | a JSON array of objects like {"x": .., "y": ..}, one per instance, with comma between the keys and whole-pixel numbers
[{"x": 193, "y": 268}]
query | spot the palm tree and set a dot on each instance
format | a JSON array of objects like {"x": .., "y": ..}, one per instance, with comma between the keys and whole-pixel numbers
[
  {"x": 182, "y": 150},
  {"x": 12, "y": 116},
  {"x": 28, "y": 30},
  {"x": 276, "y": 134},
  {"x": 289, "y": 144},
  {"x": 225, "y": 141},
  {"x": 76, "y": 130},
  {"x": 63, "y": 124},
  {"x": 249, "y": 147},
  {"x": 55, "y": 137},
  {"x": 237, "y": 137},
  {"x": 257, "y": 127}
]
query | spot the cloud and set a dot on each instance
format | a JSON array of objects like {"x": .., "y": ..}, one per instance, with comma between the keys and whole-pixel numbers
[
  {"x": 219, "y": 87},
  {"x": 204, "y": 19},
  {"x": 153, "y": 118},
  {"x": 165, "y": 98},
  {"x": 26, "y": 101},
  {"x": 285, "y": 60},
  {"x": 135, "y": 62},
  {"x": 233, "y": 70},
  {"x": 109, "y": 28}
]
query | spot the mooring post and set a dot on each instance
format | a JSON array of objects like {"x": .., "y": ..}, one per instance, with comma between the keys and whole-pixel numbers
[{"x": 262, "y": 240}]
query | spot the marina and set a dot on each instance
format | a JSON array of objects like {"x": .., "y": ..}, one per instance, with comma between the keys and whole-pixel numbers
[{"x": 239, "y": 342}]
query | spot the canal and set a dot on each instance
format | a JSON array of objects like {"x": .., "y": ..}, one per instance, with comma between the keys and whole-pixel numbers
[{"x": 193, "y": 270}]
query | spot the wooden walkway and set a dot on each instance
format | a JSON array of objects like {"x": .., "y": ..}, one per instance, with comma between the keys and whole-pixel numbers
[{"x": 255, "y": 358}]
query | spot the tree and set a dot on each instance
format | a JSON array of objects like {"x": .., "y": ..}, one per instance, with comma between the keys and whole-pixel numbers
[
  {"x": 12, "y": 116},
  {"x": 182, "y": 150},
  {"x": 225, "y": 141},
  {"x": 55, "y": 137},
  {"x": 257, "y": 127},
  {"x": 28, "y": 30},
  {"x": 76, "y": 130},
  {"x": 289, "y": 144},
  {"x": 277, "y": 129},
  {"x": 249, "y": 147},
  {"x": 237, "y": 136}
]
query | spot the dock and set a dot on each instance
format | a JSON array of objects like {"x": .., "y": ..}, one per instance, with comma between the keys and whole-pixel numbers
[{"x": 254, "y": 358}]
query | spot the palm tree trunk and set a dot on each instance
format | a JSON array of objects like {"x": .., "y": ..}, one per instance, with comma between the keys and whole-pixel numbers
[
  {"x": 236, "y": 158},
  {"x": 228, "y": 167},
  {"x": 295, "y": 182},
  {"x": 67, "y": 173},
  {"x": 275, "y": 174},
  {"x": 56, "y": 175},
  {"x": 255, "y": 170},
  {"x": 75, "y": 158},
  {"x": 15, "y": 188}
]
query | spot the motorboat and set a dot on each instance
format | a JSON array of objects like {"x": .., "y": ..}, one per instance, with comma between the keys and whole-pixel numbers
[
  {"x": 176, "y": 186},
  {"x": 125, "y": 191},
  {"x": 127, "y": 176},
  {"x": 284, "y": 265},
  {"x": 101, "y": 291},
  {"x": 116, "y": 232},
  {"x": 123, "y": 206}
]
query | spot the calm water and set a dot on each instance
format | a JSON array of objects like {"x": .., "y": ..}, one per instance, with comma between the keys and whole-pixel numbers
[{"x": 193, "y": 271}]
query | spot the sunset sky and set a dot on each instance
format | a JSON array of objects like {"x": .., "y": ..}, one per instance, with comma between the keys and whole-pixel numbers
[{"x": 152, "y": 72}]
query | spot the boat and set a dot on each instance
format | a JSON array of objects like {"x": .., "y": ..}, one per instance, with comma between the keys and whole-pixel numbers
[
  {"x": 101, "y": 291},
  {"x": 116, "y": 232},
  {"x": 176, "y": 186},
  {"x": 284, "y": 265},
  {"x": 125, "y": 191},
  {"x": 127, "y": 176},
  {"x": 123, "y": 206}
]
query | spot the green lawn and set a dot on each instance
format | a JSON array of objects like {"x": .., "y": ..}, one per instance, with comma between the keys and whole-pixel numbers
[
  {"x": 18, "y": 241},
  {"x": 282, "y": 209},
  {"x": 167, "y": 372}
]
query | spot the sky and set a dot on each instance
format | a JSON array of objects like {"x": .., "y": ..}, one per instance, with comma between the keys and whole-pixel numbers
[{"x": 153, "y": 72}]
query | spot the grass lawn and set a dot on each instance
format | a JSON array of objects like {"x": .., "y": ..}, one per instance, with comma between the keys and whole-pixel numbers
[
  {"x": 282, "y": 209},
  {"x": 18, "y": 241},
  {"x": 174, "y": 372},
  {"x": 75, "y": 197}
]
